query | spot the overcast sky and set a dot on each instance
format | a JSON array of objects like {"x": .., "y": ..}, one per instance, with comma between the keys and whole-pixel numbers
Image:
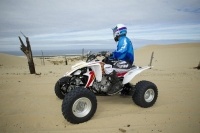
[{"x": 67, "y": 24}]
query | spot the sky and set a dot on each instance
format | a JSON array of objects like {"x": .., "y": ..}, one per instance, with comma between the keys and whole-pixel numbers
[{"x": 77, "y": 24}]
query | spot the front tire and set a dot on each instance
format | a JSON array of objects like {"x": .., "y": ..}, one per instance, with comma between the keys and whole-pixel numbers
[
  {"x": 146, "y": 94},
  {"x": 61, "y": 87},
  {"x": 79, "y": 105}
]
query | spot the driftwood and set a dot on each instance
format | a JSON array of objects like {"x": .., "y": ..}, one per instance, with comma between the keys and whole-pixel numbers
[{"x": 27, "y": 51}]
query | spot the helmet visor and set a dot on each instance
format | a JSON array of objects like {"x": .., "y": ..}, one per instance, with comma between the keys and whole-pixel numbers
[
  {"x": 114, "y": 30},
  {"x": 118, "y": 29}
]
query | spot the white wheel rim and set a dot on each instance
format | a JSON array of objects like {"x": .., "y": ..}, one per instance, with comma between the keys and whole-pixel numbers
[
  {"x": 81, "y": 107},
  {"x": 149, "y": 95}
]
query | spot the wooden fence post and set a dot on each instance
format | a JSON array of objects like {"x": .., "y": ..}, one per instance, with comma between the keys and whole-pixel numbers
[
  {"x": 43, "y": 63},
  {"x": 150, "y": 64},
  {"x": 82, "y": 53},
  {"x": 65, "y": 60}
]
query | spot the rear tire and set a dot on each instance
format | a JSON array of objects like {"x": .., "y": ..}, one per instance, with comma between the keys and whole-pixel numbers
[
  {"x": 79, "y": 105},
  {"x": 146, "y": 94}
]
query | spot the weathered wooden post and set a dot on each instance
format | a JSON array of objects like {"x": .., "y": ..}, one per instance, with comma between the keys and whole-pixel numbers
[
  {"x": 150, "y": 64},
  {"x": 198, "y": 67},
  {"x": 43, "y": 63},
  {"x": 65, "y": 60},
  {"x": 27, "y": 51},
  {"x": 82, "y": 53}
]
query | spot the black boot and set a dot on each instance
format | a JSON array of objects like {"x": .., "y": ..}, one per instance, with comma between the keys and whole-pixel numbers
[{"x": 116, "y": 85}]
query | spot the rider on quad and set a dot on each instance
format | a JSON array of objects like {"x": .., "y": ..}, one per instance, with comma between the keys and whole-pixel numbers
[{"x": 121, "y": 59}]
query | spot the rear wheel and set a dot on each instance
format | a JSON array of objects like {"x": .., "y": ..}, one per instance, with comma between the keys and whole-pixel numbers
[
  {"x": 145, "y": 94},
  {"x": 79, "y": 105}
]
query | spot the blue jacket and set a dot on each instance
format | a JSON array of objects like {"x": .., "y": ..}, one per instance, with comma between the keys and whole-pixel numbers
[{"x": 124, "y": 50}]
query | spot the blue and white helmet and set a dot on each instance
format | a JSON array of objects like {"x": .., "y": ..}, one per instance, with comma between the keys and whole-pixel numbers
[{"x": 119, "y": 29}]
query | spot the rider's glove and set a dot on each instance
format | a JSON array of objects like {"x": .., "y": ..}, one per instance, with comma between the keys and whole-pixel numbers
[{"x": 107, "y": 54}]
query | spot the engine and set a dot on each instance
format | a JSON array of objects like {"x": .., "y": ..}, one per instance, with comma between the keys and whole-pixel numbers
[{"x": 103, "y": 85}]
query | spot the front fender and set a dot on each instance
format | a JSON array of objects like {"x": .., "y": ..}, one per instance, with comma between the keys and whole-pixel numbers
[
  {"x": 132, "y": 73},
  {"x": 95, "y": 66}
]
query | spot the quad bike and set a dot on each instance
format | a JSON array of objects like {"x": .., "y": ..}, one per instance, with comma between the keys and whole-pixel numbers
[{"x": 79, "y": 87}]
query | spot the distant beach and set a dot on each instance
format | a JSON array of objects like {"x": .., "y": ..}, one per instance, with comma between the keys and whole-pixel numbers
[{"x": 49, "y": 53}]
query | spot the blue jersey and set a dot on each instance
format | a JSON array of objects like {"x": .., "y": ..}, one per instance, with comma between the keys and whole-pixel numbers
[{"x": 124, "y": 50}]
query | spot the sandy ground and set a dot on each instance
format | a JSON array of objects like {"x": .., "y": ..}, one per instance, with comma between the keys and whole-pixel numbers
[{"x": 28, "y": 102}]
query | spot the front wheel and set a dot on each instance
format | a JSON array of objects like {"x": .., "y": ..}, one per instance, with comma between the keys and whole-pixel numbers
[
  {"x": 145, "y": 94},
  {"x": 79, "y": 105},
  {"x": 61, "y": 87}
]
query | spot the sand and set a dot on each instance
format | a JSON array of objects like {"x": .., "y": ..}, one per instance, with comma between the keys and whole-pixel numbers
[{"x": 28, "y": 102}]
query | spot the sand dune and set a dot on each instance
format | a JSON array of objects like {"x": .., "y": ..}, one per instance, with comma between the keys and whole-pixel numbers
[
  {"x": 9, "y": 60},
  {"x": 28, "y": 102}
]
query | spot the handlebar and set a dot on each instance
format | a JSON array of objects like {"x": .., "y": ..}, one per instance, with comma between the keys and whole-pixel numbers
[{"x": 93, "y": 56}]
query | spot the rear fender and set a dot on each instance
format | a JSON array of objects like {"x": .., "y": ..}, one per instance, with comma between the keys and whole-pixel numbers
[{"x": 132, "y": 73}]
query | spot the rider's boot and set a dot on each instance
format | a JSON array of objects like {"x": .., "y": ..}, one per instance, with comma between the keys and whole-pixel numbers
[{"x": 116, "y": 85}]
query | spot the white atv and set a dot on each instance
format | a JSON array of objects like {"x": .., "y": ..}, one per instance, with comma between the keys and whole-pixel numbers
[{"x": 79, "y": 87}]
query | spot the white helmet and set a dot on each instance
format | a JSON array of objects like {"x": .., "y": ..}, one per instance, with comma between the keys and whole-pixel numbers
[{"x": 118, "y": 30}]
